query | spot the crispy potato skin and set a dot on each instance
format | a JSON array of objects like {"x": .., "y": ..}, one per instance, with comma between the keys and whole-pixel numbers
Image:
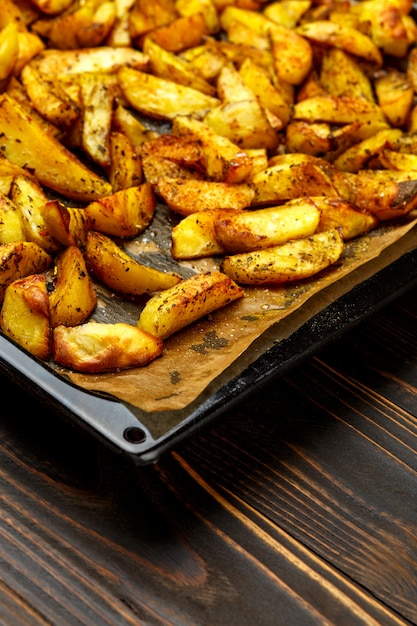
[
  {"x": 170, "y": 310},
  {"x": 291, "y": 261},
  {"x": 25, "y": 315},
  {"x": 93, "y": 347}
]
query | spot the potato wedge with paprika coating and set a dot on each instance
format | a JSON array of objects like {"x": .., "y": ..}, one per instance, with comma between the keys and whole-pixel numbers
[
  {"x": 289, "y": 262},
  {"x": 123, "y": 214},
  {"x": 25, "y": 315},
  {"x": 74, "y": 298},
  {"x": 113, "y": 267},
  {"x": 242, "y": 231},
  {"x": 170, "y": 310},
  {"x": 19, "y": 259},
  {"x": 93, "y": 347},
  {"x": 27, "y": 144},
  {"x": 189, "y": 196}
]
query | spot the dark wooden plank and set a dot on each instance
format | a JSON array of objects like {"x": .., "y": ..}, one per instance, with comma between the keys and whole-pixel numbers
[{"x": 296, "y": 508}]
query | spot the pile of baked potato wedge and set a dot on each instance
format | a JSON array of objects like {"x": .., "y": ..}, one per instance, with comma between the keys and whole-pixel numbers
[{"x": 274, "y": 132}]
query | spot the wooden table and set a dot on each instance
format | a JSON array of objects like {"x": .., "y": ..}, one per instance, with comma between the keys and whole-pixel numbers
[{"x": 299, "y": 507}]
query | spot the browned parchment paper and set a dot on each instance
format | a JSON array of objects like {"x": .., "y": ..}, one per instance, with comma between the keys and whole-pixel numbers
[{"x": 199, "y": 354}]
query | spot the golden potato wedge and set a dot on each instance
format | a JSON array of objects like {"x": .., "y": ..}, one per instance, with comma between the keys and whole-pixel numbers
[
  {"x": 94, "y": 348},
  {"x": 29, "y": 199},
  {"x": 19, "y": 259},
  {"x": 289, "y": 262},
  {"x": 309, "y": 138},
  {"x": 401, "y": 161},
  {"x": 338, "y": 213},
  {"x": 74, "y": 298},
  {"x": 87, "y": 26},
  {"x": 223, "y": 160},
  {"x": 123, "y": 214},
  {"x": 162, "y": 98},
  {"x": 337, "y": 110},
  {"x": 25, "y": 315},
  {"x": 66, "y": 225},
  {"x": 194, "y": 236},
  {"x": 205, "y": 7},
  {"x": 98, "y": 93},
  {"x": 121, "y": 272},
  {"x": 52, "y": 7},
  {"x": 342, "y": 74},
  {"x": 292, "y": 54},
  {"x": 242, "y": 231},
  {"x": 182, "y": 33},
  {"x": 395, "y": 95},
  {"x": 61, "y": 63},
  {"x": 385, "y": 197},
  {"x": 189, "y": 196},
  {"x": 30, "y": 45},
  {"x": 350, "y": 39},
  {"x": 48, "y": 98},
  {"x": 358, "y": 156},
  {"x": 272, "y": 96},
  {"x": 125, "y": 168},
  {"x": 27, "y": 144},
  {"x": 169, "y": 311},
  {"x": 170, "y": 66},
  {"x": 145, "y": 16},
  {"x": 245, "y": 123},
  {"x": 286, "y": 12},
  {"x": 124, "y": 121},
  {"x": 291, "y": 176},
  {"x": 11, "y": 222},
  {"x": 9, "y": 50}
]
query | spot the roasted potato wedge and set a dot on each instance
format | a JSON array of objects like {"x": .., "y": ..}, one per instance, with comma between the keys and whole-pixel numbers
[
  {"x": 123, "y": 214},
  {"x": 337, "y": 110},
  {"x": 292, "y": 261},
  {"x": 344, "y": 215},
  {"x": 74, "y": 298},
  {"x": 27, "y": 144},
  {"x": 122, "y": 273},
  {"x": 383, "y": 196},
  {"x": 20, "y": 259},
  {"x": 189, "y": 196},
  {"x": 170, "y": 310},
  {"x": 93, "y": 347},
  {"x": 66, "y": 225},
  {"x": 242, "y": 231},
  {"x": 25, "y": 315},
  {"x": 29, "y": 199},
  {"x": 223, "y": 160},
  {"x": 125, "y": 168},
  {"x": 358, "y": 156},
  {"x": 162, "y": 98},
  {"x": 11, "y": 222},
  {"x": 195, "y": 235}
]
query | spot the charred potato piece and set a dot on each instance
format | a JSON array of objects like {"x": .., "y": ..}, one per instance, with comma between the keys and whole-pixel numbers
[
  {"x": 25, "y": 315},
  {"x": 170, "y": 310},
  {"x": 74, "y": 298},
  {"x": 93, "y": 347},
  {"x": 120, "y": 272},
  {"x": 289, "y": 262}
]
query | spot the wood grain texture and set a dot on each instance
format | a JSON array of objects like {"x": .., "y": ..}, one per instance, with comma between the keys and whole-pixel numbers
[{"x": 299, "y": 507}]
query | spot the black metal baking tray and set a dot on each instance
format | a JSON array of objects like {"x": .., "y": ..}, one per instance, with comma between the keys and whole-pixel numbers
[{"x": 144, "y": 437}]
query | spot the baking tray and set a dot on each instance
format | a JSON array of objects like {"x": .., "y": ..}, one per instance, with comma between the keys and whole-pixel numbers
[{"x": 143, "y": 436}]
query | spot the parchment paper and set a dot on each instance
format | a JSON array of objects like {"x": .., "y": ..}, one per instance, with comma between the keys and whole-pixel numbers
[{"x": 196, "y": 356}]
